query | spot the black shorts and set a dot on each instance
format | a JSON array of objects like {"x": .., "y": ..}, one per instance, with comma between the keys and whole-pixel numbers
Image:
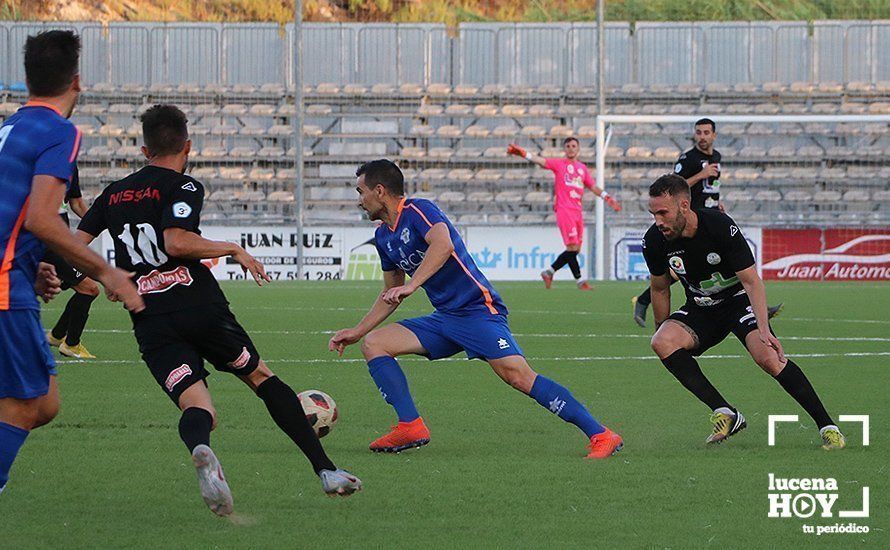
[
  {"x": 174, "y": 346},
  {"x": 711, "y": 325},
  {"x": 70, "y": 277}
]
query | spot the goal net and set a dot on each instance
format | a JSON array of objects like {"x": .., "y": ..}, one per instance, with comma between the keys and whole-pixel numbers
[{"x": 810, "y": 191}]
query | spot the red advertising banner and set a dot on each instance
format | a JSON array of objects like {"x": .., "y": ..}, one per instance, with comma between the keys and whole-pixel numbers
[{"x": 826, "y": 254}]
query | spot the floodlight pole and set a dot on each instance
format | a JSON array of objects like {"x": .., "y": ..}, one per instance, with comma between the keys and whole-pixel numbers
[
  {"x": 599, "y": 253},
  {"x": 297, "y": 122}
]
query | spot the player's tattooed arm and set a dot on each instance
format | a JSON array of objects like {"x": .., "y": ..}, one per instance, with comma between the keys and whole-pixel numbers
[
  {"x": 756, "y": 292},
  {"x": 440, "y": 249},
  {"x": 182, "y": 243},
  {"x": 660, "y": 286},
  {"x": 377, "y": 314}
]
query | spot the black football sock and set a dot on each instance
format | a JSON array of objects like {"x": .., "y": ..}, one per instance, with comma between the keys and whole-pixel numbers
[
  {"x": 685, "y": 368},
  {"x": 795, "y": 382},
  {"x": 194, "y": 427},
  {"x": 645, "y": 297},
  {"x": 78, "y": 314},
  {"x": 287, "y": 412},
  {"x": 61, "y": 327},
  {"x": 561, "y": 260},
  {"x": 573, "y": 265}
]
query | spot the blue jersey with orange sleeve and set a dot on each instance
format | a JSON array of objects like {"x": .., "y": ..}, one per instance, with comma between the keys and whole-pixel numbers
[
  {"x": 458, "y": 287},
  {"x": 36, "y": 140}
]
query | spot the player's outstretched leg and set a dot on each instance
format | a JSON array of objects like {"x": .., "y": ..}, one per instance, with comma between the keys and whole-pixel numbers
[
  {"x": 798, "y": 386},
  {"x": 197, "y": 420},
  {"x": 285, "y": 409},
  {"x": 515, "y": 370},
  {"x": 672, "y": 343},
  {"x": 17, "y": 418},
  {"x": 380, "y": 347}
]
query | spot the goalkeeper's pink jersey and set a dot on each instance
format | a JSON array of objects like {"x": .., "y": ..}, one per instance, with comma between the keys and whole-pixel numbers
[{"x": 570, "y": 179}]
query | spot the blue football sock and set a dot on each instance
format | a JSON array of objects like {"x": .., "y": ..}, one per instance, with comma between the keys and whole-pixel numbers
[
  {"x": 559, "y": 400},
  {"x": 393, "y": 386},
  {"x": 11, "y": 440}
]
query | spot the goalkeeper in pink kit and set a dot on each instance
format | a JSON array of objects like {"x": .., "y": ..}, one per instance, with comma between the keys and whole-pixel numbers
[{"x": 571, "y": 176}]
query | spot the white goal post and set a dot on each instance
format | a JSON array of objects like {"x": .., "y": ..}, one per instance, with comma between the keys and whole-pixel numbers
[{"x": 603, "y": 133}]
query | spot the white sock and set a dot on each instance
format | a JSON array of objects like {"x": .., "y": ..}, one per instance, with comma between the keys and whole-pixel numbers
[
  {"x": 725, "y": 410},
  {"x": 829, "y": 427}
]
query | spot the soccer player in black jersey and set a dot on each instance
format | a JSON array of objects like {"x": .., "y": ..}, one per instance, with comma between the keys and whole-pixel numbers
[
  {"x": 700, "y": 167},
  {"x": 153, "y": 217},
  {"x": 67, "y": 331},
  {"x": 709, "y": 255}
]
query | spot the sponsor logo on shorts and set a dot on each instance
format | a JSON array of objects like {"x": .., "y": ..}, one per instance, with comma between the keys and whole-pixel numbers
[
  {"x": 713, "y": 258},
  {"x": 676, "y": 263},
  {"x": 242, "y": 359},
  {"x": 157, "y": 281},
  {"x": 503, "y": 344},
  {"x": 176, "y": 376}
]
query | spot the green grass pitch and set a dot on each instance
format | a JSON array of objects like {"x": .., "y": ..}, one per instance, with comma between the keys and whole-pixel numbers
[{"x": 500, "y": 471}]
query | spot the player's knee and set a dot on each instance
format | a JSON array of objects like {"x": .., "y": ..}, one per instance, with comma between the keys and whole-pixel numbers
[
  {"x": 373, "y": 346},
  {"x": 770, "y": 365},
  {"x": 663, "y": 346},
  {"x": 88, "y": 287},
  {"x": 518, "y": 378}
]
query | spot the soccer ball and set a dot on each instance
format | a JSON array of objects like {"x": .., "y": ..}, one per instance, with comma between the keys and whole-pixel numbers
[{"x": 321, "y": 411}]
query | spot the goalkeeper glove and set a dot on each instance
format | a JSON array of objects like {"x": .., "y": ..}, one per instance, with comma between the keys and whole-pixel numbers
[
  {"x": 610, "y": 200},
  {"x": 514, "y": 149}
]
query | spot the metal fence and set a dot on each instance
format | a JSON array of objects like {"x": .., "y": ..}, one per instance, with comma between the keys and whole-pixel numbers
[{"x": 478, "y": 53}]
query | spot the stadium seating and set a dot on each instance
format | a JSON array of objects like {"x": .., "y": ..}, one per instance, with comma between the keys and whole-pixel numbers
[{"x": 451, "y": 141}]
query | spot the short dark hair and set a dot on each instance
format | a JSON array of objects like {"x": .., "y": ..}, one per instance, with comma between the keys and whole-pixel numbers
[
  {"x": 672, "y": 184},
  {"x": 52, "y": 59},
  {"x": 701, "y": 121},
  {"x": 383, "y": 172},
  {"x": 164, "y": 129},
  {"x": 570, "y": 138}
]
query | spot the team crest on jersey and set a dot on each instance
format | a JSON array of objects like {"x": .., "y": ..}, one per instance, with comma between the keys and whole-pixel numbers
[
  {"x": 570, "y": 169},
  {"x": 190, "y": 187},
  {"x": 181, "y": 210},
  {"x": 176, "y": 376},
  {"x": 676, "y": 263},
  {"x": 156, "y": 281},
  {"x": 406, "y": 235},
  {"x": 713, "y": 258},
  {"x": 678, "y": 168}
]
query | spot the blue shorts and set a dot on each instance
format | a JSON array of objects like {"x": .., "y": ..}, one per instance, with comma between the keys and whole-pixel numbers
[
  {"x": 26, "y": 363},
  {"x": 482, "y": 337}
]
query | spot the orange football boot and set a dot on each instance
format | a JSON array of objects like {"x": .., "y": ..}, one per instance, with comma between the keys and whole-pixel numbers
[
  {"x": 404, "y": 435},
  {"x": 548, "y": 279},
  {"x": 585, "y": 286},
  {"x": 605, "y": 444}
]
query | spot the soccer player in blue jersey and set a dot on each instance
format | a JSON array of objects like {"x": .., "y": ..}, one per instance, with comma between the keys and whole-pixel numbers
[
  {"x": 38, "y": 149},
  {"x": 417, "y": 239}
]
